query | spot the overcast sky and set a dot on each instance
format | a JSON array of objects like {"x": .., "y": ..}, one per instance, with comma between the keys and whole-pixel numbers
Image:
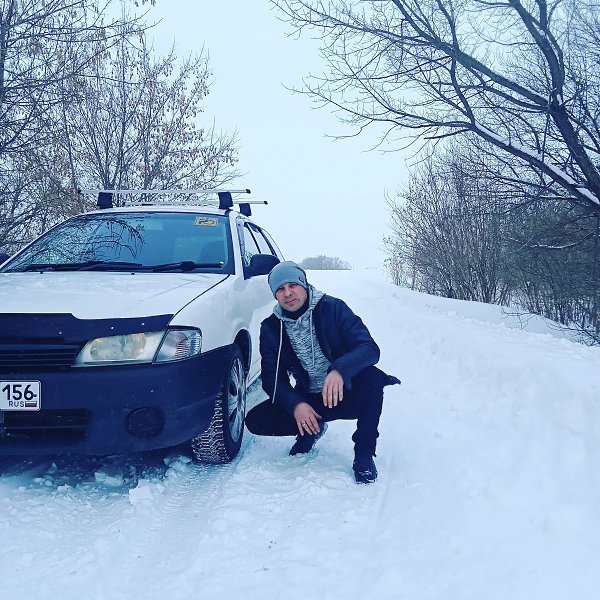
[{"x": 325, "y": 197}]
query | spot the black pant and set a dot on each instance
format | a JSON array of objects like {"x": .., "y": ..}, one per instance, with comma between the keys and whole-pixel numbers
[{"x": 363, "y": 402}]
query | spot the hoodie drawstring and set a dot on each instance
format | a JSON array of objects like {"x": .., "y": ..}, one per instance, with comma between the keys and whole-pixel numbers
[
  {"x": 312, "y": 337},
  {"x": 278, "y": 357}
]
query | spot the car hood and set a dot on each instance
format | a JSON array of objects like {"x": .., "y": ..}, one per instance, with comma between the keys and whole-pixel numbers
[{"x": 102, "y": 295}]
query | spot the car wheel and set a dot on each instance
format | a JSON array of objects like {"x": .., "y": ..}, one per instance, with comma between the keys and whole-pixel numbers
[{"x": 221, "y": 442}]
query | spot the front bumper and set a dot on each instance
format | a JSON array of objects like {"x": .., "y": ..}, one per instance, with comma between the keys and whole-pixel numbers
[{"x": 120, "y": 409}]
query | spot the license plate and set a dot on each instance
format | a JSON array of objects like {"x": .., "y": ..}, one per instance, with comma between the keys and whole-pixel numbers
[{"x": 20, "y": 395}]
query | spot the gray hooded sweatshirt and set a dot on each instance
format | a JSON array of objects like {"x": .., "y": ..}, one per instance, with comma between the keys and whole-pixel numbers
[{"x": 303, "y": 338}]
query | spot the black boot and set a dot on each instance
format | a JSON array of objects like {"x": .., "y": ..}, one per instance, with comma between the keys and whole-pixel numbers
[
  {"x": 305, "y": 443},
  {"x": 364, "y": 468}
]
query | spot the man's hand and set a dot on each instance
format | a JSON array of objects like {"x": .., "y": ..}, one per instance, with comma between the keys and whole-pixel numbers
[
  {"x": 333, "y": 389},
  {"x": 306, "y": 418}
]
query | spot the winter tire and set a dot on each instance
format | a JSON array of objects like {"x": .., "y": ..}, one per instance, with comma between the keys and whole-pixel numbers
[{"x": 221, "y": 442}]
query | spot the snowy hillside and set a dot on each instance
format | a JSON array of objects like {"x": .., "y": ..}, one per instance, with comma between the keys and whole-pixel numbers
[{"x": 489, "y": 485}]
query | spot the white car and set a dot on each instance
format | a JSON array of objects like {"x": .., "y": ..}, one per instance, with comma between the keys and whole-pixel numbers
[{"x": 134, "y": 328}]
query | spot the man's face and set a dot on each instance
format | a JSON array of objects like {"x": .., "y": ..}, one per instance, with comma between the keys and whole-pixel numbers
[{"x": 291, "y": 296}]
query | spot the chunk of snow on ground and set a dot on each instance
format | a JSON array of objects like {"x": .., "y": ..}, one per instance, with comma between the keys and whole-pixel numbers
[{"x": 144, "y": 491}]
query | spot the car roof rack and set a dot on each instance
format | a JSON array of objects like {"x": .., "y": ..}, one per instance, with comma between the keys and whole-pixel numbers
[{"x": 224, "y": 198}]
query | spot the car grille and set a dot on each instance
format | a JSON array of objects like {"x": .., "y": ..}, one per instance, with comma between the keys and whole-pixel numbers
[
  {"x": 45, "y": 424},
  {"x": 16, "y": 357}
]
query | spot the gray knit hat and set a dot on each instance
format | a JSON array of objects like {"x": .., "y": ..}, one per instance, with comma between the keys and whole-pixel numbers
[{"x": 286, "y": 272}]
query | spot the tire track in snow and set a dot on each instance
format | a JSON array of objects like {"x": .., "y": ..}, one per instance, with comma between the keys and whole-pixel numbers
[
  {"x": 170, "y": 519},
  {"x": 378, "y": 519},
  {"x": 167, "y": 524}
]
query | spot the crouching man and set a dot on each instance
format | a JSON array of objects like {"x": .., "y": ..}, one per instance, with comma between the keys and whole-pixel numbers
[{"x": 331, "y": 355}]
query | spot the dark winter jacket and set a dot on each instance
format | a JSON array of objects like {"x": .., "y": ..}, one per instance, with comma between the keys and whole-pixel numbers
[{"x": 342, "y": 336}]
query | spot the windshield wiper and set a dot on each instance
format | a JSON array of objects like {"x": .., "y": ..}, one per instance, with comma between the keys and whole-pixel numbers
[
  {"x": 110, "y": 265},
  {"x": 184, "y": 265},
  {"x": 88, "y": 265}
]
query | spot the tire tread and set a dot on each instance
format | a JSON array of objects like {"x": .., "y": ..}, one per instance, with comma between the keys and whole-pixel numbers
[{"x": 210, "y": 446}]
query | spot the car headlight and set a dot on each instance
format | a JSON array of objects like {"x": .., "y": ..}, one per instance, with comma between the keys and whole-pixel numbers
[
  {"x": 179, "y": 344},
  {"x": 158, "y": 346}
]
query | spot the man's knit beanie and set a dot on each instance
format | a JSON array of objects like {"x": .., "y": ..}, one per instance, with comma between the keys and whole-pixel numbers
[{"x": 286, "y": 272}]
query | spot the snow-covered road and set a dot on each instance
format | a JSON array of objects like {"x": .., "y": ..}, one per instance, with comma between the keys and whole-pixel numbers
[{"x": 489, "y": 486}]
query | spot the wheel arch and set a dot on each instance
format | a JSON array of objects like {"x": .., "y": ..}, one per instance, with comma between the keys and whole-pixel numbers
[{"x": 242, "y": 339}]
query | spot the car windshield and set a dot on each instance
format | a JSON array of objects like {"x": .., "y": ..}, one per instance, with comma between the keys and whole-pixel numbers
[{"x": 152, "y": 242}]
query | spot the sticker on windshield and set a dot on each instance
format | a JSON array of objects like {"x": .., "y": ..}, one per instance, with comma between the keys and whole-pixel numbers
[{"x": 206, "y": 221}]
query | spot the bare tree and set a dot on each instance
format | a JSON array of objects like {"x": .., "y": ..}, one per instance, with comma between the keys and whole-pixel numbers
[
  {"x": 554, "y": 253},
  {"x": 43, "y": 46},
  {"x": 463, "y": 229},
  {"x": 135, "y": 123},
  {"x": 449, "y": 230},
  {"x": 522, "y": 75},
  {"x": 85, "y": 103}
]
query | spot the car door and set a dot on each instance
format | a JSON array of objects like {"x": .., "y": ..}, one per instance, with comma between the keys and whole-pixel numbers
[{"x": 252, "y": 241}]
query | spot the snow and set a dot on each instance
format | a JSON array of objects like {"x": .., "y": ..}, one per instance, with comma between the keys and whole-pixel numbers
[{"x": 489, "y": 486}]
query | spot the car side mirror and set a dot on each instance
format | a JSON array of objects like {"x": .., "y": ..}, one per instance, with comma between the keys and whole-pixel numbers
[
  {"x": 261, "y": 264},
  {"x": 4, "y": 257}
]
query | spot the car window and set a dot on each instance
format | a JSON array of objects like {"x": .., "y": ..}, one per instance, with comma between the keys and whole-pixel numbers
[
  {"x": 250, "y": 248},
  {"x": 263, "y": 245},
  {"x": 145, "y": 240},
  {"x": 276, "y": 250}
]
